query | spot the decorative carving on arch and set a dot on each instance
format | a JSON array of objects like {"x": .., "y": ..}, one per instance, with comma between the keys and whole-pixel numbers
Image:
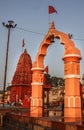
[{"x": 69, "y": 46}]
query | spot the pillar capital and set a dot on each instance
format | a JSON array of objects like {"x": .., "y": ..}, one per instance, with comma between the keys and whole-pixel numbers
[
  {"x": 37, "y": 69},
  {"x": 72, "y": 58}
]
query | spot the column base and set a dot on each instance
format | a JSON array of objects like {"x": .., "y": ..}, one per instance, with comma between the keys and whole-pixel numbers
[
  {"x": 72, "y": 112},
  {"x": 36, "y": 112}
]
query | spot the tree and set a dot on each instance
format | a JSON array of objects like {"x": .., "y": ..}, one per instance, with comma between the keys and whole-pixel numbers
[
  {"x": 54, "y": 81},
  {"x": 47, "y": 78}
]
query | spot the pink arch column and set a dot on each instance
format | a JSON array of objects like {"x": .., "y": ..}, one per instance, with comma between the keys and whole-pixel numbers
[
  {"x": 36, "y": 109},
  {"x": 72, "y": 100},
  {"x": 72, "y": 56}
]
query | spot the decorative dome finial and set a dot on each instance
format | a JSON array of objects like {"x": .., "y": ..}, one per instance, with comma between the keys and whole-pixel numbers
[{"x": 52, "y": 25}]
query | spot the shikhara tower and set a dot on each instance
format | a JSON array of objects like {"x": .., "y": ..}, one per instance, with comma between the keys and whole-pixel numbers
[{"x": 21, "y": 82}]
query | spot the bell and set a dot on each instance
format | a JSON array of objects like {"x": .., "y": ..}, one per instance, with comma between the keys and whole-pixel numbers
[
  {"x": 52, "y": 39},
  {"x": 10, "y": 22}
]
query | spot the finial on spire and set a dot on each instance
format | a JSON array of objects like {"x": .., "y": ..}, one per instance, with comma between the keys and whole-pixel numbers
[{"x": 52, "y": 25}]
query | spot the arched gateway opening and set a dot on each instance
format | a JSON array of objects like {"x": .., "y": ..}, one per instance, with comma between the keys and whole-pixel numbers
[{"x": 71, "y": 58}]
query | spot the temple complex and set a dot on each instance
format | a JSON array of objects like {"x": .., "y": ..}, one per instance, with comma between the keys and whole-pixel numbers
[
  {"x": 21, "y": 82},
  {"x": 30, "y": 75},
  {"x": 29, "y": 83}
]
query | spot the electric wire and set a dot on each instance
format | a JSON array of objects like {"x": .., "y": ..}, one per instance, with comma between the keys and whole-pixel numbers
[{"x": 29, "y": 31}]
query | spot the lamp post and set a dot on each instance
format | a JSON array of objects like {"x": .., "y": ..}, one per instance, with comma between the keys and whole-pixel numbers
[{"x": 9, "y": 25}]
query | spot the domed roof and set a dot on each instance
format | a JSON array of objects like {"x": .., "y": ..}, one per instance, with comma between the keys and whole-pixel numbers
[{"x": 23, "y": 72}]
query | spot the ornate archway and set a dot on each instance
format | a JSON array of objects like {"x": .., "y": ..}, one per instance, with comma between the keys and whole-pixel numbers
[{"x": 71, "y": 58}]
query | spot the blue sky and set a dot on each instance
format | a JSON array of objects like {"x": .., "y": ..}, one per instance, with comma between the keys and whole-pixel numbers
[{"x": 31, "y": 17}]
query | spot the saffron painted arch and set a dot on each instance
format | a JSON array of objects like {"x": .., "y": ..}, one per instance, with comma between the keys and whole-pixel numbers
[
  {"x": 69, "y": 46},
  {"x": 71, "y": 58}
]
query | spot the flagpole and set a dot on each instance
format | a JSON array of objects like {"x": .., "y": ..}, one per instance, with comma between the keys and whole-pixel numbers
[
  {"x": 49, "y": 20},
  {"x": 48, "y": 17},
  {"x": 23, "y": 45}
]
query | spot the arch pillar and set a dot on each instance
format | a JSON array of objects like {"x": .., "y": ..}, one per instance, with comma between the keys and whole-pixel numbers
[
  {"x": 36, "y": 109},
  {"x": 72, "y": 100},
  {"x": 72, "y": 56}
]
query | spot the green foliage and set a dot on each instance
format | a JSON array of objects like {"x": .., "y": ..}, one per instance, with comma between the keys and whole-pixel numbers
[{"x": 54, "y": 81}]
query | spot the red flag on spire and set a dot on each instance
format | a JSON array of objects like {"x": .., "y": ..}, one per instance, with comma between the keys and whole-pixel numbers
[
  {"x": 51, "y": 9},
  {"x": 23, "y": 43},
  {"x": 46, "y": 69}
]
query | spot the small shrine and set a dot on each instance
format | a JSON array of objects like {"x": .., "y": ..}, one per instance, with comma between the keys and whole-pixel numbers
[{"x": 21, "y": 82}]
